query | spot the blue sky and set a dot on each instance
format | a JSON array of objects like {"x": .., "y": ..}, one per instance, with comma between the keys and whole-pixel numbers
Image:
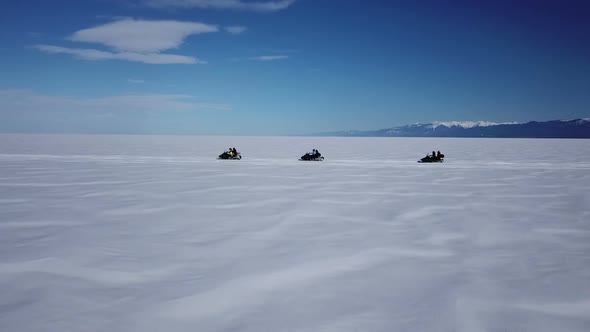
[{"x": 288, "y": 66}]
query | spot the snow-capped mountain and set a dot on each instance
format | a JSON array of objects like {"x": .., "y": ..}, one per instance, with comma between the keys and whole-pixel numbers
[
  {"x": 576, "y": 128},
  {"x": 468, "y": 124}
]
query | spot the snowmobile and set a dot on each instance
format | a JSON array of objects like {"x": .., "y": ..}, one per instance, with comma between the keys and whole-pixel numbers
[
  {"x": 230, "y": 155},
  {"x": 432, "y": 159},
  {"x": 312, "y": 157}
]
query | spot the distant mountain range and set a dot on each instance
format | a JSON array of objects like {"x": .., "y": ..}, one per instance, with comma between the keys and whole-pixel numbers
[{"x": 577, "y": 128}]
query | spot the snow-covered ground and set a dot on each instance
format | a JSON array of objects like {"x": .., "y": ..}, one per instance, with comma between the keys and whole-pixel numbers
[{"x": 152, "y": 233}]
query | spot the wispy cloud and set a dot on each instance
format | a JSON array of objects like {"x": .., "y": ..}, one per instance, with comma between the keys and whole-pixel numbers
[
  {"x": 129, "y": 35},
  {"x": 279, "y": 51},
  {"x": 235, "y": 30},
  {"x": 134, "y": 40},
  {"x": 269, "y": 57},
  {"x": 258, "y": 6},
  {"x": 97, "y": 55},
  {"x": 34, "y": 34},
  {"x": 135, "y": 81},
  {"x": 26, "y": 101}
]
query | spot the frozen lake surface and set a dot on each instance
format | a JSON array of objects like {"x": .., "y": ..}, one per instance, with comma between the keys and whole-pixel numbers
[{"x": 152, "y": 233}]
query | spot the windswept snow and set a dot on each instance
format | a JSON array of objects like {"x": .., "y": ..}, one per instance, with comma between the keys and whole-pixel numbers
[{"x": 152, "y": 233}]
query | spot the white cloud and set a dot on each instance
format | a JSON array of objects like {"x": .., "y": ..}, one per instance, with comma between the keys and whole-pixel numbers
[
  {"x": 135, "y": 81},
  {"x": 134, "y": 40},
  {"x": 27, "y": 101},
  {"x": 235, "y": 30},
  {"x": 141, "y": 36},
  {"x": 258, "y": 6},
  {"x": 97, "y": 55},
  {"x": 270, "y": 57}
]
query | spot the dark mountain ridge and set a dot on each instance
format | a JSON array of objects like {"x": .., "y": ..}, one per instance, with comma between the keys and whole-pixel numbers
[{"x": 577, "y": 128}]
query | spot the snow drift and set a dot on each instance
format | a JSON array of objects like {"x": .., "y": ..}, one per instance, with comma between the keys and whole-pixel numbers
[{"x": 152, "y": 233}]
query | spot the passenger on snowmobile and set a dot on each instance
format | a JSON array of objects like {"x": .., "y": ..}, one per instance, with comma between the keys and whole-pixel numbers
[
  {"x": 231, "y": 153},
  {"x": 434, "y": 157},
  {"x": 312, "y": 155}
]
